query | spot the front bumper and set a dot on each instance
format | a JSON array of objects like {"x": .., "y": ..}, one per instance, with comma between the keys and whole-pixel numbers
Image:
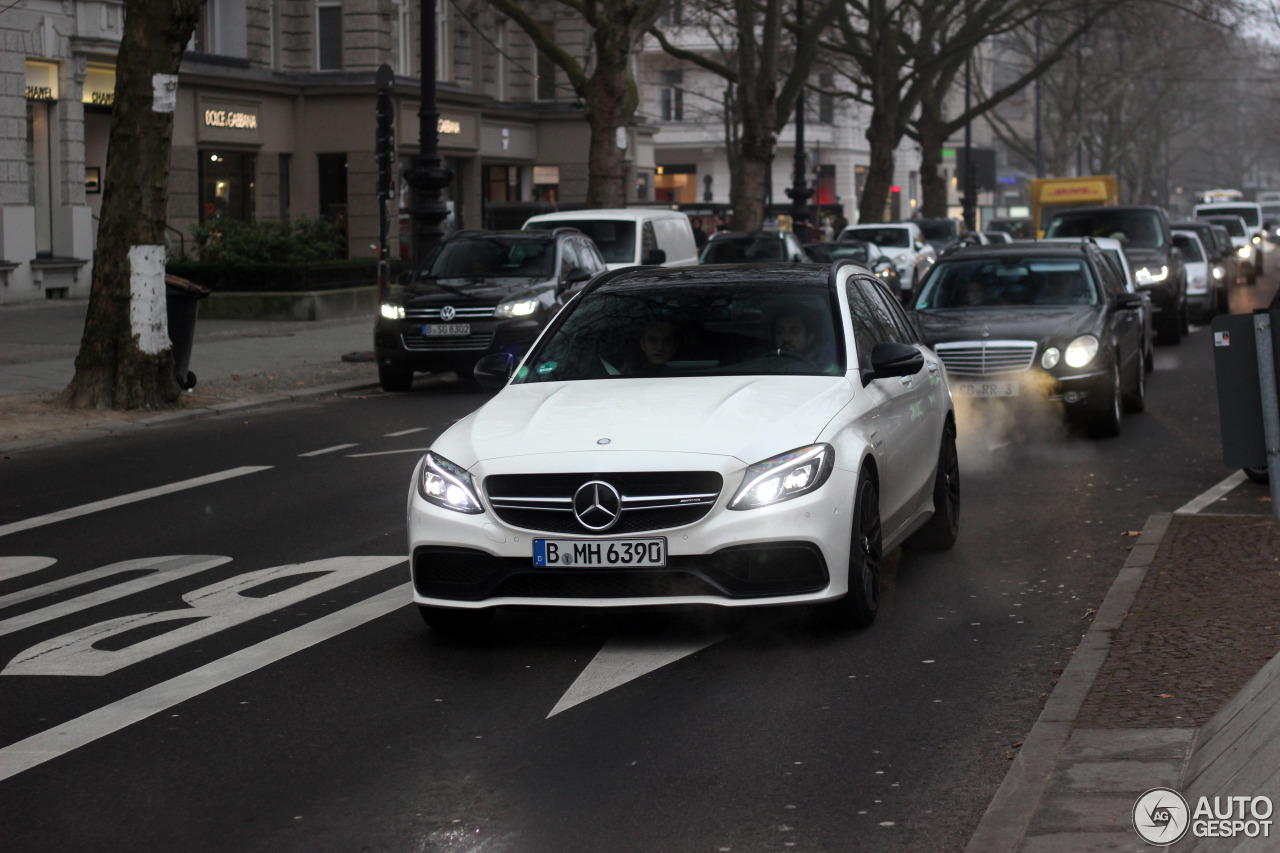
[
  {"x": 401, "y": 344},
  {"x": 793, "y": 552}
]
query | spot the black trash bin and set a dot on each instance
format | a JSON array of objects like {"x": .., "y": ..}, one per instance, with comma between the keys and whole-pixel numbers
[{"x": 182, "y": 298}]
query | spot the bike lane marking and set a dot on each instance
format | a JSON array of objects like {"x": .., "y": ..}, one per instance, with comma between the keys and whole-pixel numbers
[
  {"x": 62, "y": 739},
  {"x": 322, "y": 451},
  {"x": 1194, "y": 505},
  {"x": 133, "y": 497}
]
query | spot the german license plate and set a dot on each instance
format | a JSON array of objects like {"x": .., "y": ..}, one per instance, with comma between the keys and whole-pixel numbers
[
  {"x": 599, "y": 553},
  {"x": 986, "y": 389},
  {"x": 446, "y": 330}
]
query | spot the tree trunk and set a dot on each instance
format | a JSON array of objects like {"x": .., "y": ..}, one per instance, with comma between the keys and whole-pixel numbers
[
  {"x": 933, "y": 186},
  {"x": 125, "y": 359},
  {"x": 611, "y": 101},
  {"x": 875, "y": 194},
  {"x": 750, "y": 180}
]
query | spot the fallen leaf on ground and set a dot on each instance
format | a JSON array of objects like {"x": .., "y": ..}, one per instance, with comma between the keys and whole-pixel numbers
[
  {"x": 1264, "y": 500},
  {"x": 1165, "y": 695},
  {"x": 1132, "y": 533}
]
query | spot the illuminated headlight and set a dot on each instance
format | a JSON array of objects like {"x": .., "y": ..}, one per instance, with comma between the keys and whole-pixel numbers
[
  {"x": 445, "y": 484},
  {"x": 1218, "y": 273},
  {"x": 518, "y": 308},
  {"x": 786, "y": 476},
  {"x": 1196, "y": 285},
  {"x": 1257, "y": 238},
  {"x": 1146, "y": 276},
  {"x": 1245, "y": 252},
  {"x": 1081, "y": 351},
  {"x": 1050, "y": 358},
  {"x": 392, "y": 312}
]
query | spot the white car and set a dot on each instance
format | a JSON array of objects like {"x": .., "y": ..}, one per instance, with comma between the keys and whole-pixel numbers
[
  {"x": 724, "y": 436},
  {"x": 1202, "y": 289},
  {"x": 629, "y": 236},
  {"x": 903, "y": 243}
]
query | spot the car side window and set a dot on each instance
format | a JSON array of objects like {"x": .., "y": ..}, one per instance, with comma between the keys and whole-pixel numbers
[
  {"x": 648, "y": 241},
  {"x": 1111, "y": 282},
  {"x": 890, "y": 330},
  {"x": 589, "y": 257},
  {"x": 866, "y": 328},
  {"x": 903, "y": 323},
  {"x": 569, "y": 257}
]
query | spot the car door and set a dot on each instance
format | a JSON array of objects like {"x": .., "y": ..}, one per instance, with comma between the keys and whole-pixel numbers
[
  {"x": 1125, "y": 325},
  {"x": 921, "y": 421}
]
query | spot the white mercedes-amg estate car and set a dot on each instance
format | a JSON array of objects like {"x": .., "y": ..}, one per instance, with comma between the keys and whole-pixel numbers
[{"x": 726, "y": 435}]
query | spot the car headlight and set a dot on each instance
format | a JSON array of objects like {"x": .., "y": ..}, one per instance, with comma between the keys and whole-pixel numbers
[
  {"x": 1146, "y": 276},
  {"x": 1050, "y": 358},
  {"x": 1257, "y": 239},
  {"x": 1245, "y": 252},
  {"x": 785, "y": 476},
  {"x": 446, "y": 485},
  {"x": 1081, "y": 351},
  {"x": 392, "y": 312},
  {"x": 1218, "y": 273},
  {"x": 517, "y": 308}
]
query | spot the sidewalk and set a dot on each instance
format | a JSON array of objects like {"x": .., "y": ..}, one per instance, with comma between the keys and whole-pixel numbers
[
  {"x": 1176, "y": 683},
  {"x": 239, "y": 363}
]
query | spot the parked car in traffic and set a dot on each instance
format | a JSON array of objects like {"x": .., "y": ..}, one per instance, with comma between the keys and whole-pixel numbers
[
  {"x": 480, "y": 292},
  {"x": 1031, "y": 319},
  {"x": 905, "y": 245},
  {"x": 624, "y": 462},
  {"x": 1204, "y": 293},
  {"x": 1251, "y": 213},
  {"x": 753, "y": 247},
  {"x": 1246, "y": 253},
  {"x": 940, "y": 233},
  {"x": 1224, "y": 265},
  {"x": 859, "y": 251},
  {"x": 629, "y": 236},
  {"x": 1147, "y": 238}
]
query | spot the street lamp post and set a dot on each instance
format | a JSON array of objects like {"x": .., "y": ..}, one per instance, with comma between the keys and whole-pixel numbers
[
  {"x": 428, "y": 176},
  {"x": 800, "y": 192}
]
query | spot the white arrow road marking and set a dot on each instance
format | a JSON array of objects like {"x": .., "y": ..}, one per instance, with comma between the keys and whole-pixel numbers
[
  {"x": 623, "y": 660},
  {"x": 160, "y": 570},
  {"x": 322, "y": 451},
  {"x": 12, "y": 567},
  {"x": 98, "y": 506},
  {"x": 387, "y": 452},
  {"x": 212, "y": 609},
  {"x": 62, "y": 739},
  {"x": 1194, "y": 505},
  {"x": 404, "y": 432}
]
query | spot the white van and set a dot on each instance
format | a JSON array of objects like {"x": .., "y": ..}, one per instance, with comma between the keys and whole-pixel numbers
[{"x": 629, "y": 236}]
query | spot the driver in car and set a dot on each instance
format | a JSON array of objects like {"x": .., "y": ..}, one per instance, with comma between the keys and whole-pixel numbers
[
  {"x": 658, "y": 344},
  {"x": 793, "y": 333}
]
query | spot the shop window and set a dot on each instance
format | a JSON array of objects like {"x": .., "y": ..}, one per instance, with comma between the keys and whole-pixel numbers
[
  {"x": 333, "y": 188},
  {"x": 502, "y": 183},
  {"x": 329, "y": 36},
  {"x": 402, "y": 37},
  {"x": 825, "y": 184},
  {"x": 671, "y": 89},
  {"x": 40, "y": 176},
  {"x": 227, "y": 184},
  {"x": 676, "y": 184}
]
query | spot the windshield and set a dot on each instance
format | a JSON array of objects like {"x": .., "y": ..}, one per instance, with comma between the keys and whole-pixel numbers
[
  {"x": 615, "y": 238},
  {"x": 1015, "y": 282},
  {"x": 1232, "y": 223},
  {"x": 893, "y": 238},
  {"x": 494, "y": 257},
  {"x": 1190, "y": 247},
  {"x": 1247, "y": 212},
  {"x": 1136, "y": 229},
  {"x": 1271, "y": 212},
  {"x": 735, "y": 250},
  {"x": 936, "y": 231},
  {"x": 660, "y": 329},
  {"x": 860, "y": 252}
]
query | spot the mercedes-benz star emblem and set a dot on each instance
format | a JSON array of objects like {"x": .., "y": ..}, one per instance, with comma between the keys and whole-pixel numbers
[
  {"x": 448, "y": 312},
  {"x": 602, "y": 441},
  {"x": 597, "y": 505}
]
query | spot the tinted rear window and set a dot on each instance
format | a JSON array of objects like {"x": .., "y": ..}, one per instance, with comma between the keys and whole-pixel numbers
[
  {"x": 894, "y": 238},
  {"x": 1014, "y": 282},
  {"x": 1247, "y": 212},
  {"x": 616, "y": 239},
  {"x": 1138, "y": 229}
]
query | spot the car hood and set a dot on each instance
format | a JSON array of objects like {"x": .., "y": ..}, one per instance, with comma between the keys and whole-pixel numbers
[
  {"x": 461, "y": 291},
  {"x": 1045, "y": 324},
  {"x": 1139, "y": 258},
  {"x": 722, "y": 415}
]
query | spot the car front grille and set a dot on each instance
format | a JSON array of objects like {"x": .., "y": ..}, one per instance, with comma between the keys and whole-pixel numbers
[
  {"x": 421, "y": 343},
  {"x": 650, "y": 500},
  {"x": 986, "y": 358},
  {"x": 461, "y": 313}
]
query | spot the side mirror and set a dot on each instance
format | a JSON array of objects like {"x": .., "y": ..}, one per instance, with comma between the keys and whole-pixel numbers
[
  {"x": 890, "y": 358},
  {"x": 656, "y": 257},
  {"x": 1130, "y": 301},
  {"x": 577, "y": 275},
  {"x": 493, "y": 371}
]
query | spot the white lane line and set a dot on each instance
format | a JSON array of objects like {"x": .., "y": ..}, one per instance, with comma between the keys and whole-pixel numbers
[
  {"x": 625, "y": 660},
  {"x": 404, "y": 432},
  {"x": 13, "y": 567},
  {"x": 1196, "y": 504},
  {"x": 109, "y": 719},
  {"x": 387, "y": 452},
  {"x": 325, "y": 450},
  {"x": 98, "y": 506}
]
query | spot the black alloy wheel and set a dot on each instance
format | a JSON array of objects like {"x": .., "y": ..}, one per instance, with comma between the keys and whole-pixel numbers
[
  {"x": 1258, "y": 475},
  {"x": 1105, "y": 422},
  {"x": 866, "y": 561},
  {"x": 943, "y": 528},
  {"x": 456, "y": 621},
  {"x": 1136, "y": 400},
  {"x": 394, "y": 379}
]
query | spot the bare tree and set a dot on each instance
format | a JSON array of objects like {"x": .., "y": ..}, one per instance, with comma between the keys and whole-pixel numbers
[
  {"x": 608, "y": 88},
  {"x": 125, "y": 359}
]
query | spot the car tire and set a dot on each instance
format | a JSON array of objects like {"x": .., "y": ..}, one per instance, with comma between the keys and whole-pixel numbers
[
  {"x": 1171, "y": 333},
  {"x": 1136, "y": 400},
  {"x": 1258, "y": 475},
  {"x": 944, "y": 527},
  {"x": 1149, "y": 357},
  {"x": 454, "y": 620},
  {"x": 394, "y": 379},
  {"x": 860, "y": 604},
  {"x": 1105, "y": 421},
  {"x": 1184, "y": 319}
]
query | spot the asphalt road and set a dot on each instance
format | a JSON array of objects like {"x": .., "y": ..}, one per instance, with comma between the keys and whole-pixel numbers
[{"x": 307, "y": 708}]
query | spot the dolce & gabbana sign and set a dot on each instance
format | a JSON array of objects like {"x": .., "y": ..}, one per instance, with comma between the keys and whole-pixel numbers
[{"x": 228, "y": 121}]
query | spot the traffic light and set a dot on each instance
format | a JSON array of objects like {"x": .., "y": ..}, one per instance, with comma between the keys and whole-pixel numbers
[{"x": 385, "y": 143}]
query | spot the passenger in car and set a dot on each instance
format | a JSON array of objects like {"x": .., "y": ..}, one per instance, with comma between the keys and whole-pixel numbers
[{"x": 658, "y": 344}]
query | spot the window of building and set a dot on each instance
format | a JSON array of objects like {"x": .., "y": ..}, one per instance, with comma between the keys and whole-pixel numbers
[
  {"x": 546, "y": 88},
  {"x": 676, "y": 184},
  {"x": 286, "y": 188},
  {"x": 502, "y": 183},
  {"x": 826, "y": 99},
  {"x": 329, "y": 37},
  {"x": 227, "y": 184},
  {"x": 402, "y": 37},
  {"x": 444, "y": 58},
  {"x": 39, "y": 172},
  {"x": 221, "y": 29},
  {"x": 672, "y": 15},
  {"x": 333, "y": 188},
  {"x": 671, "y": 91}
]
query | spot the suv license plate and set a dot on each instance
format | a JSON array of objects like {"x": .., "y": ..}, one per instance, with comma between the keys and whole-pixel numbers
[
  {"x": 985, "y": 389},
  {"x": 599, "y": 553},
  {"x": 447, "y": 330}
]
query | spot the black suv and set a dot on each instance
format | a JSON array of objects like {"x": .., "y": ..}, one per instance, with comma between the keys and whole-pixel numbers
[
  {"x": 1158, "y": 266},
  {"x": 481, "y": 292}
]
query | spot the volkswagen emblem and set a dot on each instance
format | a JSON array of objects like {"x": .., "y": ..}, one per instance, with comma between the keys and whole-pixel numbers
[
  {"x": 448, "y": 312},
  {"x": 597, "y": 505}
]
